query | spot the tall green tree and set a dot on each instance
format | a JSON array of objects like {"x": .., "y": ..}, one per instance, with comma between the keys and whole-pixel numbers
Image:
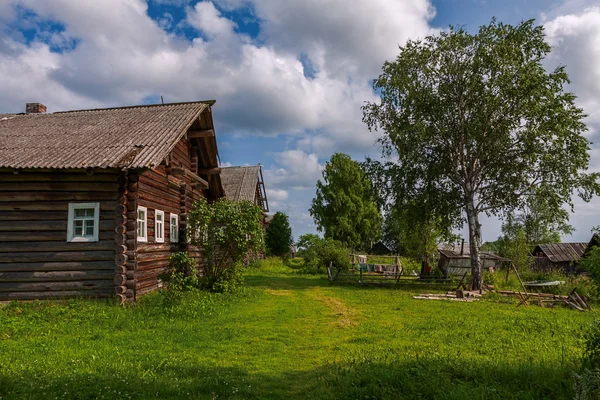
[
  {"x": 278, "y": 235},
  {"x": 345, "y": 207},
  {"x": 479, "y": 120},
  {"x": 413, "y": 224},
  {"x": 540, "y": 221}
]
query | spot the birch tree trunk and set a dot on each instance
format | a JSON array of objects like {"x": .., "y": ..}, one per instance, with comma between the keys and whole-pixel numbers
[{"x": 475, "y": 244}]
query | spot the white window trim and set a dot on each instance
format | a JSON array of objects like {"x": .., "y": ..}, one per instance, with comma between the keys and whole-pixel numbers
[
  {"x": 156, "y": 230},
  {"x": 71, "y": 217},
  {"x": 143, "y": 238},
  {"x": 171, "y": 227}
]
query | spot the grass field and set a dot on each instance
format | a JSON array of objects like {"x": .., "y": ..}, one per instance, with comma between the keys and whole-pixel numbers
[{"x": 289, "y": 336}]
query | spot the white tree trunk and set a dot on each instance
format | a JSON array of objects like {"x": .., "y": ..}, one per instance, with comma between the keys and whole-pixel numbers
[{"x": 475, "y": 244}]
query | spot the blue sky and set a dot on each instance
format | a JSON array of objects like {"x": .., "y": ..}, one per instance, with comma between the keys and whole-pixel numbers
[{"x": 289, "y": 77}]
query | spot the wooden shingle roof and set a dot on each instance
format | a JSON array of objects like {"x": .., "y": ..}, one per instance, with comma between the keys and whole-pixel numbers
[
  {"x": 239, "y": 183},
  {"x": 132, "y": 137},
  {"x": 562, "y": 252}
]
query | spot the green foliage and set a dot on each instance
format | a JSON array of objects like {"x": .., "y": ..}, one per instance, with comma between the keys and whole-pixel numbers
[
  {"x": 181, "y": 276},
  {"x": 225, "y": 232},
  {"x": 306, "y": 242},
  {"x": 591, "y": 263},
  {"x": 478, "y": 120},
  {"x": 518, "y": 250},
  {"x": 587, "y": 384},
  {"x": 591, "y": 354},
  {"x": 323, "y": 252},
  {"x": 345, "y": 207},
  {"x": 278, "y": 237},
  {"x": 541, "y": 220}
]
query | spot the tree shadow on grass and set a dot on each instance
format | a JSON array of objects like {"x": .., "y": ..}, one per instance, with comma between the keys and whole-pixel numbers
[{"x": 356, "y": 378}]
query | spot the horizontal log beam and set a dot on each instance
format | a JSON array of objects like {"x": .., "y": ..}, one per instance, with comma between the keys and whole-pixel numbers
[
  {"x": 186, "y": 172},
  {"x": 200, "y": 134},
  {"x": 56, "y": 276},
  {"x": 209, "y": 171},
  {"x": 55, "y": 294}
]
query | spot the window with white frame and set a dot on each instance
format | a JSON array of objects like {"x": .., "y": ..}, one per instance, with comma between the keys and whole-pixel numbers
[
  {"x": 83, "y": 224},
  {"x": 159, "y": 226},
  {"x": 174, "y": 228},
  {"x": 142, "y": 224}
]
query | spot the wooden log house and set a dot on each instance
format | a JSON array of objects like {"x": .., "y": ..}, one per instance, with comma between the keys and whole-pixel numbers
[{"x": 93, "y": 202}]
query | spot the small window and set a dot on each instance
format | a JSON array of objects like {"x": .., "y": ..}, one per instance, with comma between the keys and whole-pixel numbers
[
  {"x": 159, "y": 226},
  {"x": 174, "y": 228},
  {"x": 142, "y": 224},
  {"x": 83, "y": 222}
]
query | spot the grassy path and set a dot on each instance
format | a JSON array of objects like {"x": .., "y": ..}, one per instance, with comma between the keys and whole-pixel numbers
[{"x": 290, "y": 336}]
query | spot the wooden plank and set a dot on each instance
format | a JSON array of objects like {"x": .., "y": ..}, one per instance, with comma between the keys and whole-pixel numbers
[
  {"x": 209, "y": 171},
  {"x": 45, "y": 215},
  {"x": 9, "y": 247},
  {"x": 60, "y": 187},
  {"x": 58, "y": 177},
  {"x": 198, "y": 134},
  {"x": 68, "y": 256},
  {"x": 100, "y": 293},
  {"x": 30, "y": 226},
  {"x": 49, "y": 206},
  {"x": 50, "y": 236},
  {"x": 55, "y": 286},
  {"x": 56, "y": 276},
  {"x": 25, "y": 195},
  {"x": 58, "y": 266}
]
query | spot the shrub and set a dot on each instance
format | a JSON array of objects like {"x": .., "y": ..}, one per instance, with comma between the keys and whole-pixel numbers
[
  {"x": 181, "y": 275},
  {"x": 225, "y": 232},
  {"x": 229, "y": 281},
  {"x": 323, "y": 253}
]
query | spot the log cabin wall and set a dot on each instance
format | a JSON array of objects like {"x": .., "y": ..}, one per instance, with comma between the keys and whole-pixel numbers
[
  {"x": 36, "y": 260},
  {"x": 157, "y": 190}
]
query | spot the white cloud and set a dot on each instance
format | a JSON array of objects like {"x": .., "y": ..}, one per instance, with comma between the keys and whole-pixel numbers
[
  {"x": 277, "y": 194},
  {"x": 206, "y": 18},
  {"x": 297, "y": 170}
]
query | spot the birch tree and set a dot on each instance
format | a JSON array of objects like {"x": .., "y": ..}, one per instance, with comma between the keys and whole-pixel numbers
[{"x": 478, "y": 117}]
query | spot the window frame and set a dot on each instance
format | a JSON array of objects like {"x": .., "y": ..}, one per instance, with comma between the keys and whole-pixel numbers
[
  {"x": 71, "y": 238},
  {"x": 143, "y": 238},
  {"x": 171, "y": 216},
  {"x": 162, "y": 228}
]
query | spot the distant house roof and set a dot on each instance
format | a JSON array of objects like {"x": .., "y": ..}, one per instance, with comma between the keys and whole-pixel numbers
[
  {"x": 454, "y": 251},
  {"x": 132, "y": 137},
  {"x": 244, "y": 183},
  {"x": 562, "y": 252},
  {"x": 379, "y": 248}
]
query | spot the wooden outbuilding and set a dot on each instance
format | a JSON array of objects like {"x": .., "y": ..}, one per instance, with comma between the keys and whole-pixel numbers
[
  {"x": 245, "y": 183},
  {"x": 562, "y": 256},
  {"x": 456, "y": 260},
  {"x": 93, "y": 202}
]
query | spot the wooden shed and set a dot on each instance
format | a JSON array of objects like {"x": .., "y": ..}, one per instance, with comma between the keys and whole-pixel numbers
[
  {"x": 456, "y": 260},
  {"x": 93, "y": 202},
  {"x": 563, "y": 256}
]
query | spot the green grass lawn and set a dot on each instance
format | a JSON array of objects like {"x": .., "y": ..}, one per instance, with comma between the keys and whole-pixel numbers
[{"x": 290, "y": 336}]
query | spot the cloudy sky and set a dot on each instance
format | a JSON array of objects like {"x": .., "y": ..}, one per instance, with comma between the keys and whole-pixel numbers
[{"x": 289, "y": 76}]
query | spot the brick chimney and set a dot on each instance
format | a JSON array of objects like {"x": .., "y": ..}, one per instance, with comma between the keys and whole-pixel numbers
[{"x": 35, "y": 108}]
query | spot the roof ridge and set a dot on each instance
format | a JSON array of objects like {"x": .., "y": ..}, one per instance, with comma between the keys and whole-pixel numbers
[{"x": 209, "y": 102}]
